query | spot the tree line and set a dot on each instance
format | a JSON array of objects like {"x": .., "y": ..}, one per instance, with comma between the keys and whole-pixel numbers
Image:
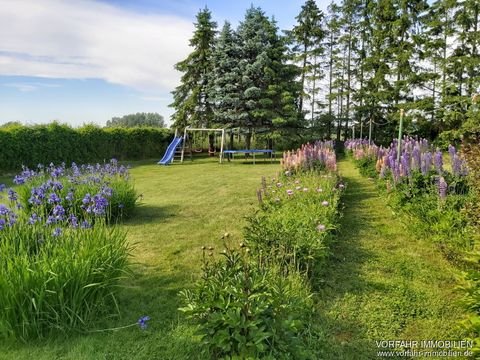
[{"x": 357, "y": 65}]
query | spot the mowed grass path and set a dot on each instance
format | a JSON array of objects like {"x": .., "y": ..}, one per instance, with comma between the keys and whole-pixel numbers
[
  {"x": 381, "y": 283},
  {"x": 184, "y": 207}
]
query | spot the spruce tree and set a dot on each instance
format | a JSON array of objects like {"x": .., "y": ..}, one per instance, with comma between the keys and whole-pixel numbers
[
  {"x": 266, "y": 84},
  {"x": 224, "y": 83},
  {"x": 190, "y": 99}
]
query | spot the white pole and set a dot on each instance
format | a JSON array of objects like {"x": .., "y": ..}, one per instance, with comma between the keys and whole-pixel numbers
[
  {"x": 221, "y": 145},
  {"x": 183, "y": 145}
]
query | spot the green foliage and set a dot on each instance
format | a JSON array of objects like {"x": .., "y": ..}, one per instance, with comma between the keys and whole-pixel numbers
[
  {"x": 191, "y": 99},
  {"x": 43, "y": 144},
  {"x": 366, "y": 166},
  {"x": 139, "y": 119},
  {"x": 56, "y": 283},
  {"x": 248, "y": 310},
  {"x": 286, "y": 228}
]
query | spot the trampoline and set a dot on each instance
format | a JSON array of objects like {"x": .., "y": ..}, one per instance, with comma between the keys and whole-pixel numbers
[{"x": 252, "y": 151}]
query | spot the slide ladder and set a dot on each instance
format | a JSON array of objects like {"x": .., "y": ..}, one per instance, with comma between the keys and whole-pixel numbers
[{"x": 170, "y": 152}]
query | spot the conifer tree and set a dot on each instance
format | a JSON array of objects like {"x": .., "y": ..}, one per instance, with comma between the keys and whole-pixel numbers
[
  {"x": 190, "y": 98},
  {"x": 308, "y": 37}
]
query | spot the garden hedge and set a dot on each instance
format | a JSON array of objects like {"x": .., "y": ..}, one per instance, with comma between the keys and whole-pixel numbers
[{"x": 43, "y": 144}]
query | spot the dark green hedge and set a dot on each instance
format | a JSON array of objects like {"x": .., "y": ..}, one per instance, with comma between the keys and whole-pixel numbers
[{"x": 43, "y": 144}]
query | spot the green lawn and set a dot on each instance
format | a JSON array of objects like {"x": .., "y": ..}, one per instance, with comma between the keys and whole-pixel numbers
[{"x": 379, "y": 284}]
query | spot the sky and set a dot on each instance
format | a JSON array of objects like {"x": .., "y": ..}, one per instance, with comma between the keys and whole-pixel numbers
[{"x": 85, "y": 61}]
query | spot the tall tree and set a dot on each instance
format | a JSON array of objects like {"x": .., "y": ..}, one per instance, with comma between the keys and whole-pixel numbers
[
  {"x": 224, "y": 85},
  {"x": 308, "y": 35},
  {"x": 331, "y": 64},
  {"x": 190, "y": 99},
  {"x": 267, "y": 81},
  {"x": 138, "y": 119}
]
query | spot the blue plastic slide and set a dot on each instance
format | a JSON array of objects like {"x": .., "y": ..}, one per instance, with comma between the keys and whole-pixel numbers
[{"x": 168, "y": 157}]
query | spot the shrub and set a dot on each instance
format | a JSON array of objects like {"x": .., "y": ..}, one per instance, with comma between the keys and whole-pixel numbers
[
  {"x": 248, "y": 310},
  {"x": 43, "y": 144}
]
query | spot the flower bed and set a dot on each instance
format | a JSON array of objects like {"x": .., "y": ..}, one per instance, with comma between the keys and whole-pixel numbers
[
  {"x": 430, "y": 197},
  {"x": 60, "y": 261},
  {"x": 257, "y": 301}
]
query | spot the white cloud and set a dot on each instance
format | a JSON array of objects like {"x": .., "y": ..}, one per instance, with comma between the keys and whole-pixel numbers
[
  {"x": 30, "y": 86},
  {"x": 84, "y": 39}
]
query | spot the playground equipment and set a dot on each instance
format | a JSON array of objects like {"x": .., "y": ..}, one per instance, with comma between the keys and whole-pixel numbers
[
  {"x": 174, "y": 148},
  {"x": 251, "y": 151},
  {"x": 185, "y": 137},
  {"x": 171, "y": 150},
  {"x": 187, "y": 143}
]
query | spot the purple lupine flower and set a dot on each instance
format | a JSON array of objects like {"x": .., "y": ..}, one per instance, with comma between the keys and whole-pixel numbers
[
  {"x": 452, "y": 151},
  {"x": 438, "y": 161},
  {"x": 142, "y": 322},
  {"x": 417, "y": 158},
  {"x": 57, "y": 232},
  {"x": 442, "y": 188},
  {"x": 404, "y": 165},
  {"x": 459, "y": 167}
]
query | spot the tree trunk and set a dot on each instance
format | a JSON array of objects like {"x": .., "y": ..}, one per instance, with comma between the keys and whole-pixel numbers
[
  {"x": 248, "y": 139},
  {"x": 231, "y": 140},
  {"x": 211, "y": 144},
  {"x": 302, "y": 80}
]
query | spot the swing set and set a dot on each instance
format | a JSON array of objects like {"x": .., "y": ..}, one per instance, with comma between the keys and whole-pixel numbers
[{"x": 199, "y": 149}]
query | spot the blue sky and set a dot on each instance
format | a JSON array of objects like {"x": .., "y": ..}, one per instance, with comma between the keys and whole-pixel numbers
[{"x": 85, "y": 61}]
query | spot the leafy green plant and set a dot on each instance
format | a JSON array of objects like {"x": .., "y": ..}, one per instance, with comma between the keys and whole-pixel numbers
[
  {"x": 57, "y": 279},
  {"x": 295, "y": 222},
  {"x": 248, "y": 310}
]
